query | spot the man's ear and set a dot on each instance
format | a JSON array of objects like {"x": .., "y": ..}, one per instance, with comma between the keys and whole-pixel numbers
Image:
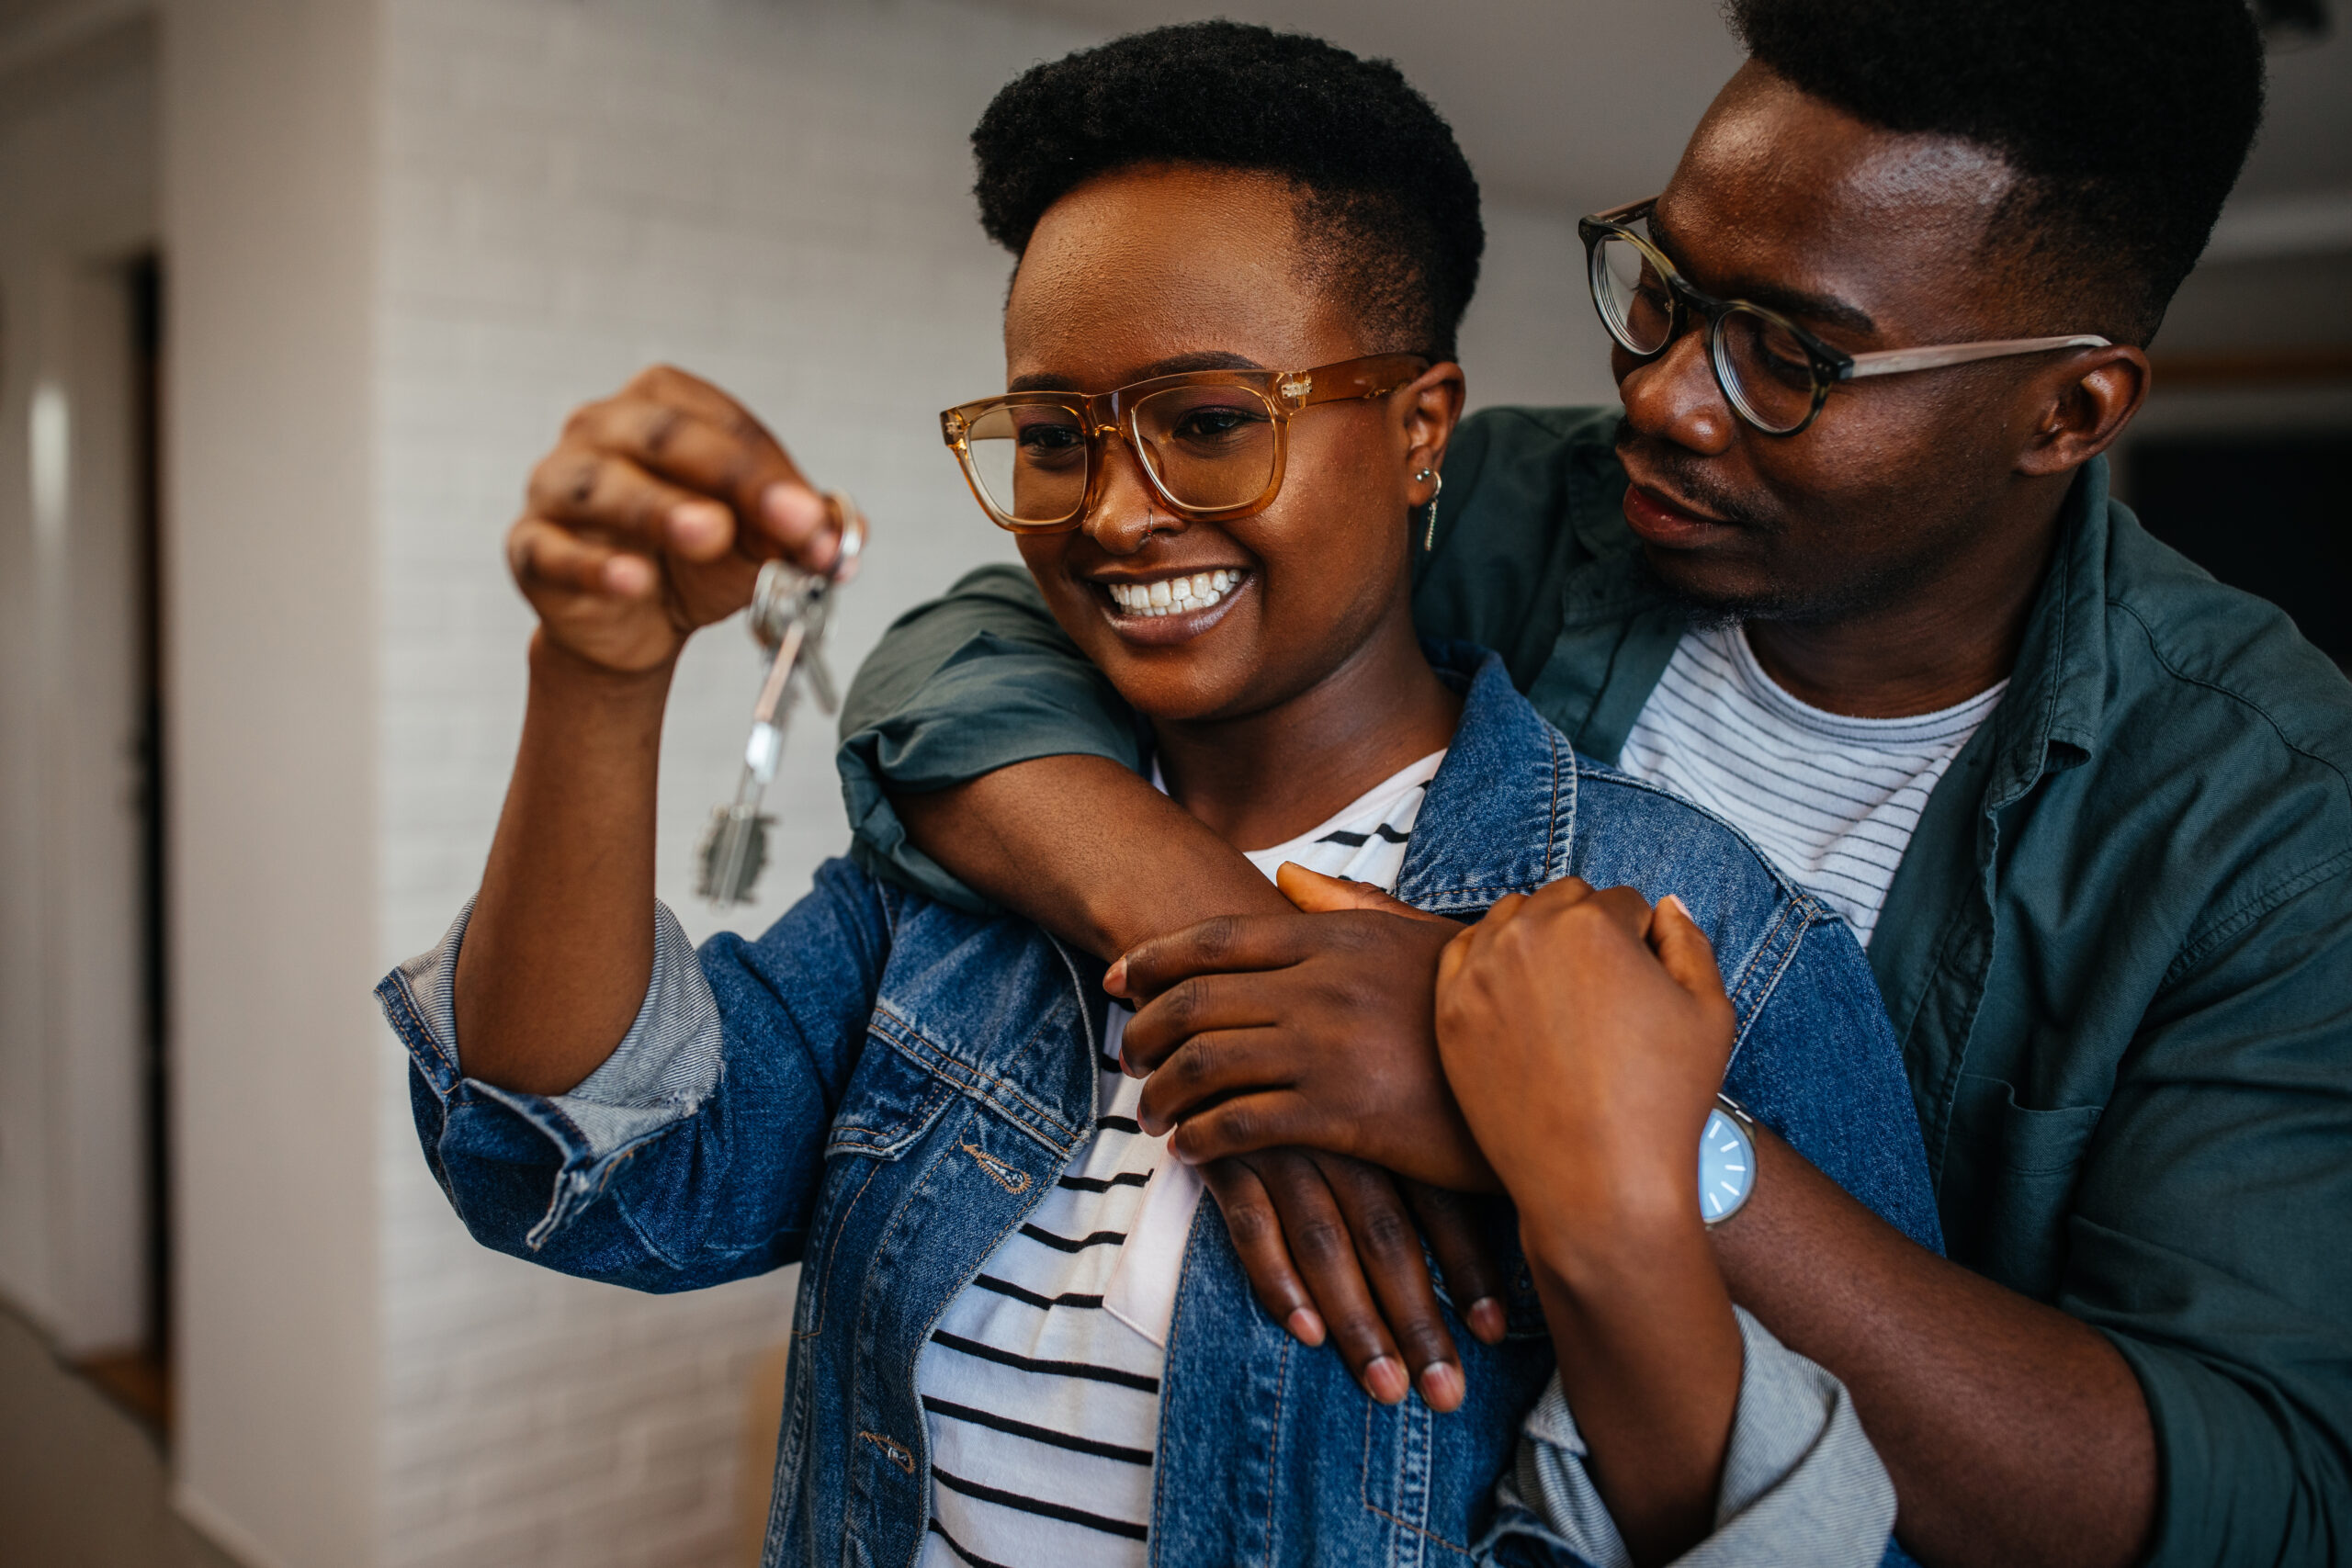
[
  {"x": 2086, "y": 404},
  {"x": 1431, "y": 407}
]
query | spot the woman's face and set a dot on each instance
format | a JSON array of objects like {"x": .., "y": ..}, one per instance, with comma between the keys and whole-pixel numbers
[{"x": 1151, "y": 271}]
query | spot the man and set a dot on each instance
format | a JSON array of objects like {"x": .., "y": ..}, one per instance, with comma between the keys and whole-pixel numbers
[{"x": 2088, "y": 808}]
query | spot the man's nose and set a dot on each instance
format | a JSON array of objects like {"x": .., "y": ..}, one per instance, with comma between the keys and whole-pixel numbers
[
  {"x": 1127, "y": 510},
  {"x": 1676, "y": 397}
]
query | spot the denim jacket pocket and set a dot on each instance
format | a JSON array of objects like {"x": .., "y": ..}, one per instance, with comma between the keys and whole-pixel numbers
[
  {"x": 2026, "y": 1160},
  {"x": 890, "y": 1102}
]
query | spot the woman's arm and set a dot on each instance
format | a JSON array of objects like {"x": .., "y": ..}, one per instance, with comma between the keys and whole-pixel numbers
[
  {"x": 1601, "y": 1165},
  {"x": 649, "y": 520}
]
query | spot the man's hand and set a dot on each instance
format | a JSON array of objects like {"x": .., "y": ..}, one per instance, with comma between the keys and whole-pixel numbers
[
  {"x": 1327, "y": 1240},
  {"x": 650, "y": 518},
  {"x": 1318, "y": 1030}
]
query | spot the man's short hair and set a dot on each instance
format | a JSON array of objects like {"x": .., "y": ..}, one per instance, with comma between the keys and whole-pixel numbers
[
  {"x": 1386, "y": 197},
  {"x": 2126, "y": 121}
]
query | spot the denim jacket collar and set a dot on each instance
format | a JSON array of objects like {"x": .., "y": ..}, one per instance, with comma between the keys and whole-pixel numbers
[{"x": 1501, "y": 815}]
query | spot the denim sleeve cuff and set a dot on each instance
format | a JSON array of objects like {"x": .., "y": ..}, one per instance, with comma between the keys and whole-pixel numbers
[
  {"x": 1801, "y": 1482},
  {"x": 660, "y": 1075}
]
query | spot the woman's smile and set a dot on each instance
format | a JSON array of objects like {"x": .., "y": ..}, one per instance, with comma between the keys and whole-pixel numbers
[{"x": 1170, "y": 606}]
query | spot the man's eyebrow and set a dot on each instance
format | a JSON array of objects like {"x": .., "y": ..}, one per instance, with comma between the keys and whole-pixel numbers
[
  {"x": 1824, "y": 308},
  {"x": 1176, "y": 365}
]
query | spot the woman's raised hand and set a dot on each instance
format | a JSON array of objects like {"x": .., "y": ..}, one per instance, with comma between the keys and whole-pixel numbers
[{"x": 651, "y": 516}]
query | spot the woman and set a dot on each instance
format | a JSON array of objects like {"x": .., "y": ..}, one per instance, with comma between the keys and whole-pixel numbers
[{"x": 1020, "y": 1339}]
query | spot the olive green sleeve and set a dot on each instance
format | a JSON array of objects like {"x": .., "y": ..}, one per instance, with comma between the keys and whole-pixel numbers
[
  {"x": 961, "y": 687},
  {"x": 2211, "y": 1236}
]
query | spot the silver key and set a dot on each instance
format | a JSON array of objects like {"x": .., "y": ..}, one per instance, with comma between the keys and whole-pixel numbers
[{"x": 789, "y": 612}]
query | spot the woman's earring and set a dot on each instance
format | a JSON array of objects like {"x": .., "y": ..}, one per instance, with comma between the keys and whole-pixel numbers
[{"x": 1428, "y": 540}]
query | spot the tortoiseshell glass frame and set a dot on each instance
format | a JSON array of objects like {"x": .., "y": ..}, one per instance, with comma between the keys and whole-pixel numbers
[
  {"x": 1286, "y": 393},
  {"x": 1830, "y": 366}
]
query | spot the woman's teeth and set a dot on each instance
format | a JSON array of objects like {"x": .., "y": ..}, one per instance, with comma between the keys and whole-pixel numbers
[{"x": 1174, "y": 595}]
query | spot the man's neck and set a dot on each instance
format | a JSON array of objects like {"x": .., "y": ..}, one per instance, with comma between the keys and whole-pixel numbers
[
  {"x": 1937, "y": 642},
  {"x": 1269, "y": 776}
]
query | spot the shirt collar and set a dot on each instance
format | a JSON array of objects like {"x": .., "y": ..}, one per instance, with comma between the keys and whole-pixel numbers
[{"x": 2050, "y": 717}]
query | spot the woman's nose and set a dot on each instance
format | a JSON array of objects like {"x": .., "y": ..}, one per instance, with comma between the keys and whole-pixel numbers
[
  {"x": 1127, "y": 510},
  {"x": 1674, "y": 397}
]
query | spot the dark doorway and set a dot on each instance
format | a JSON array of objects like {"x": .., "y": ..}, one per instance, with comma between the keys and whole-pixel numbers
[{"x": 2272, "y": 515}]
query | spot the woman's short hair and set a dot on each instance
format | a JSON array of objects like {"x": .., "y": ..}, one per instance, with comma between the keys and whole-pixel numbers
[{"x": 1386, "y": 197}]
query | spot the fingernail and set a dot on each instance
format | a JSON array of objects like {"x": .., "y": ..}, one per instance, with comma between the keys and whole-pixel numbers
[
  {"x": 1114, "y": 980},
  {"x": 1386, "y": 1381},
  {"x": 1679, "y": 907},
  {"x": 1304, "y": 1326},
  {"x": 1486, "y": 1319},
  {"x": 1441, "y": 1385},
  {"x": 629, "y": 576},
  {"x": 791, "y": 512},
  {"x": 699, "y": 525}
]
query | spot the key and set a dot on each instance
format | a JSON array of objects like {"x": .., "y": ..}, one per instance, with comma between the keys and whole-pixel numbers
[{"x": 790, "y": 610}]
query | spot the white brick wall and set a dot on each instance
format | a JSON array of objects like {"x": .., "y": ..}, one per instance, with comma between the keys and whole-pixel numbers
[{"x": 774, "y": 196}]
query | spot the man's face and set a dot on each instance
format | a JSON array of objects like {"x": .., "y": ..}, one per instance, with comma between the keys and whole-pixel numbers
[{"x": 1872, "y": 239}]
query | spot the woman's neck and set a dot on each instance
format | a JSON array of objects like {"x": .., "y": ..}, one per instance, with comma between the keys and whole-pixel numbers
[{"x": 1266, "y": 777}]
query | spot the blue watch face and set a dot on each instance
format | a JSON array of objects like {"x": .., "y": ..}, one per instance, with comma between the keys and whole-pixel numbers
[{"x": 1727, "y": 1166}]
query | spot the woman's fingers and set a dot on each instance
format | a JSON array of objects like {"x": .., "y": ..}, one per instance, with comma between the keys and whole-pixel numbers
[
  {"x": 613, "y": 497},
  {"x": 1317, "y": 894},
  {"x": 716, "y": 449}
]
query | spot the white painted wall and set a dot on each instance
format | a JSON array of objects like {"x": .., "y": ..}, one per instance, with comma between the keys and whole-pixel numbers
[
  {"x": 76, "y": 193},
  {"x": 271, "y": 148}
]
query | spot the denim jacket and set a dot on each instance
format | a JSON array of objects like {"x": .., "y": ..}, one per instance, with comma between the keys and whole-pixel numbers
[{"x": 886, "y": 1085}]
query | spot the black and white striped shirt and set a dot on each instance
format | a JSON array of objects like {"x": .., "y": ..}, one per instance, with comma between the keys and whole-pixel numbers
[
  {"x": 1040, "y": 1385},
  {"x": 1830, "y": 800}
]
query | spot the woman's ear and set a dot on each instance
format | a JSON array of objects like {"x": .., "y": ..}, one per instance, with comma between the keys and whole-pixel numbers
[{"x": 1430, "y": 407}]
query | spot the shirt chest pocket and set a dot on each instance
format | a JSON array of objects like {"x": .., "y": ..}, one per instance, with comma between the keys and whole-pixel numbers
[{"x": 2025, "y": 1163}]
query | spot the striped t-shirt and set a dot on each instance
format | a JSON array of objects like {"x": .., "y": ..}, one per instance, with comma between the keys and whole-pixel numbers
[
  {"x": 1830, "y": 800},
  {"x": 1040, "y": 1385}
]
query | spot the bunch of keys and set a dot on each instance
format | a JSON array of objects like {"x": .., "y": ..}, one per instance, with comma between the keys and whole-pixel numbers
[{"x": 788, "y": 615}]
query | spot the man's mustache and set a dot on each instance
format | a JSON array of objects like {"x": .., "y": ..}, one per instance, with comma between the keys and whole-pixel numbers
[{"x": 1686, "y": 476}]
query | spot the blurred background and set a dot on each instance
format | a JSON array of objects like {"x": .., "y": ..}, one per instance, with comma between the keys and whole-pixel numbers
[{"x": 292, "y": 293}]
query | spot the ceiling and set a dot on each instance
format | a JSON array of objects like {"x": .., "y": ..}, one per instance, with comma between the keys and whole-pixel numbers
[{"x": 1579, "y": 104}]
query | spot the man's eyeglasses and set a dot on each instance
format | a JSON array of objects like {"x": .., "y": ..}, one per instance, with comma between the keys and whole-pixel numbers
[
  {"x": 1774, "y": 374},
  {"x": 1211, "y": 442}
]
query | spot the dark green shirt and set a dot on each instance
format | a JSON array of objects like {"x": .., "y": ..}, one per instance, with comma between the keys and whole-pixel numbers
[{"x": 2118, "y": 951}]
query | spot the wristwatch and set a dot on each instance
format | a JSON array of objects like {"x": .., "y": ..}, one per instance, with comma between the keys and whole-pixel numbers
[{"x": 1726, "y": 1161}]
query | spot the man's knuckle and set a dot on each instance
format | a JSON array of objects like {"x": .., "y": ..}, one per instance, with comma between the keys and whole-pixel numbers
[
  {"x": 1386, "y": 1234},
  {"x": 1251, "y": 1224},
  {"x": 1320, "y": 1237}
]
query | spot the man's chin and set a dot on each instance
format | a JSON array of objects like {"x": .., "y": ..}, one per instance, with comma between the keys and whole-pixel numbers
[{"x": 1709, "y": 591}]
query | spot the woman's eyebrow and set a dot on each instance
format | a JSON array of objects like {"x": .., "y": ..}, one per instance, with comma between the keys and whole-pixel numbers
[
  {"x": 1207, "y": 359},
  {"x": 1827, "y": 309}
]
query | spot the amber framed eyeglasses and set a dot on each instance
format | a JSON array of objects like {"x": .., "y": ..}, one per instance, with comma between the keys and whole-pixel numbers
[
  {"x": 1212, "y": 443},
  {"x": 1775, "y": 375}
]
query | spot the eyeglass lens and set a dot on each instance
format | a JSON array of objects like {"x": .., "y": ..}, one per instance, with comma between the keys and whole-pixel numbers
[
  {"x": 1764, "y": 370},
  {"x": 1210, "y": 447}
]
